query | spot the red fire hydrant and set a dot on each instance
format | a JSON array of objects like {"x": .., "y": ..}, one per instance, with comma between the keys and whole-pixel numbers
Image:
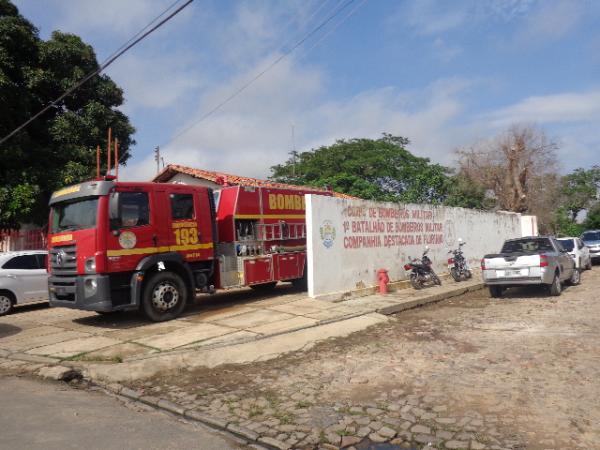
[{"x": 382, "y": 276}]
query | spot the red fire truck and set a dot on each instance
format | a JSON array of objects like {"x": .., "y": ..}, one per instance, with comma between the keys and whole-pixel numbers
[{"x": 150, "y": 246}]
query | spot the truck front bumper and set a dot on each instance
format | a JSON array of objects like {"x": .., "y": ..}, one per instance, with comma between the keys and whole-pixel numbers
[{"x": 88, "y": 292}]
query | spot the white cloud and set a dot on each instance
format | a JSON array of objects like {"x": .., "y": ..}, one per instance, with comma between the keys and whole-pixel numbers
[
  {"x": 435, "y": 17},
  {"x": 557, "y": 108},
  {"x": 156, "y": 81},
  {"x": 553, "y": 20},
  {"x": 121, "y": 17},
  {"x": 254, "y": 132}
]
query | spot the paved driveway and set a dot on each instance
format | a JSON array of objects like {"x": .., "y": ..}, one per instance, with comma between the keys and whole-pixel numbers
[{"x": 214, "y": 321}]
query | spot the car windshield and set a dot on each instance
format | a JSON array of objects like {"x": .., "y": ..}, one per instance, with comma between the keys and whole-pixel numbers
[
  {"x": 75, "y": 215},
  {"x": 591, "y": 236},
  {"x": 528, "y": 245},
  {"x": 567, "y": 244}
]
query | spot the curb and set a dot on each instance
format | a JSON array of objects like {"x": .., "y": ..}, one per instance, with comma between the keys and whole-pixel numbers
[
  {"x": 246, "y": 435},
  {"x": 415, "y": 303}
]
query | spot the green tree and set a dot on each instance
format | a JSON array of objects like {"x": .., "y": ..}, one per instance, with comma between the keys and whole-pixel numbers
[
  {"x": 467, "y": 193},
  {"x": 58, "y": 148},
  {"x": 563, "y": 224},
  {"x": 375, "y": 169},
  {"x": 592, "y": 220},
  {"x": 579, "y": 190}
]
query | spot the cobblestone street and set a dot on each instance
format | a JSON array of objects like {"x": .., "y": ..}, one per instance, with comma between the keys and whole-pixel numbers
[{"x": 467, "y": 373}]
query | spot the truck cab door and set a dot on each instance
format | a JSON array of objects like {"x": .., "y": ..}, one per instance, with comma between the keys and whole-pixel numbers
[
  {"x": 190, "y": 221},
  {"x": 132, "y": 235}
]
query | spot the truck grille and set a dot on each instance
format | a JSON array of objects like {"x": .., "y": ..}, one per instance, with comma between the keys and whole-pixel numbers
[{"x": 63, "y": 260}]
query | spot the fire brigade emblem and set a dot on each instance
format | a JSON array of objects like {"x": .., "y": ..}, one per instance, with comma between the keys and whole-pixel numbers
[
  {"x": 449, "y": 233},
  {"x": 327, "y": 231},
  {"x": 127, "y": 239}
]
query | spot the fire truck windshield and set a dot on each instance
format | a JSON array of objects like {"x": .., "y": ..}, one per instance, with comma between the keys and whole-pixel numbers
[{"x": 74, "y": 215}]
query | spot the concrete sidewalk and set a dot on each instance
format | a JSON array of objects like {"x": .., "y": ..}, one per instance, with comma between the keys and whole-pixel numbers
[{"x": 237, "y": 327}]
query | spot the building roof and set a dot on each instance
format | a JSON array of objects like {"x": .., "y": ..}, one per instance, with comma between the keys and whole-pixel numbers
[{"x": 232, "y": 180}]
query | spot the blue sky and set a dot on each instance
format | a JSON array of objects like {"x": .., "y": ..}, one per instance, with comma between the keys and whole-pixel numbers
[{"x": 445, "y": 74}]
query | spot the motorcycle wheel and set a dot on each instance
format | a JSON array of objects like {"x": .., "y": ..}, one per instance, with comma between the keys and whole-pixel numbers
[
  {"x": 455, "y": 274},
  {"x": 436, "y": 279},
  {"x": 468, "y": 274},
  {"x": 415, "y": 281}
]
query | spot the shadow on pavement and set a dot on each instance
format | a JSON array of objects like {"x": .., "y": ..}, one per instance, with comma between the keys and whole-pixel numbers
[
  {"x": 203, "y": 303},
  {"x": 8, "y": 330}
]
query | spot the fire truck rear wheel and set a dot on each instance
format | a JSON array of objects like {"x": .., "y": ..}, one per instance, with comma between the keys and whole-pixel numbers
[{"x": 164, "y": 296}]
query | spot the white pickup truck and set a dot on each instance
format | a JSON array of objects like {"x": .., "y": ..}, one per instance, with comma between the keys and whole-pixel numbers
[{"x": 529, "y": 260}]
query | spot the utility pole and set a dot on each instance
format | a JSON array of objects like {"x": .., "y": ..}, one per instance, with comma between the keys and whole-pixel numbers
[
  {"x": 157, "y": 158},
  {"x": 293, "y": 152}
]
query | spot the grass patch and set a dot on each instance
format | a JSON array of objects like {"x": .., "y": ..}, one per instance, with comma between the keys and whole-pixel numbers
[
  {"x": 303, "y": 404},
  {"x": 256, "y": 411},
  {"x": 285, "y": 418},
  {"x": 82, "y": 357}
]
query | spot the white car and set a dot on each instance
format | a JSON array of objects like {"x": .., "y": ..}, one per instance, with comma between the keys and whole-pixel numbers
[
  {"x": 578, "y": 251},
  {"x": 23, "y": 278}
]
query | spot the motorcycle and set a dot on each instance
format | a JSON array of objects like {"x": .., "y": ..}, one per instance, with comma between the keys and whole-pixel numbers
[
  {"x": 421, "y": 271},
  {"x": 459, "y": 268}
]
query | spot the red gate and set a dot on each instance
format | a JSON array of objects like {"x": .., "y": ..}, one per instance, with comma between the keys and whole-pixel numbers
[{"x": 14, "y": 240}]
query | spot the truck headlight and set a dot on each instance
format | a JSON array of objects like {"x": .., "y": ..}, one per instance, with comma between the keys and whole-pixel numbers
[{"x": 90, "y": 265}]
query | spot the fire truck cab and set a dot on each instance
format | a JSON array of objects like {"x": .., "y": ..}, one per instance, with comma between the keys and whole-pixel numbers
[{"x": 150, "y": 246}]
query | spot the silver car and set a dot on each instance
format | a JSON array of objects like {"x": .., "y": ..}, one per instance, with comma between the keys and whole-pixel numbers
[{"x": 23, "y": 278}]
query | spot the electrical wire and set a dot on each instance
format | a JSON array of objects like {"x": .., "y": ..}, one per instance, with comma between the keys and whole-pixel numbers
[
  {"x": 263, "y": 72},
  {"x": 124, "y": 48},
  {"x": 333, "y": 29}
]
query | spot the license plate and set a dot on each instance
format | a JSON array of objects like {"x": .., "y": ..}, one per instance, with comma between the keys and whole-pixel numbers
[{"x": 512, "y": 273}]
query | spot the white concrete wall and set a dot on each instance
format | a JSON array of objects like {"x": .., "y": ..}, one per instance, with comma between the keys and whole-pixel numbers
[
  {"x": 529, "y": 226},
  {"x": 348, "y": 240}
]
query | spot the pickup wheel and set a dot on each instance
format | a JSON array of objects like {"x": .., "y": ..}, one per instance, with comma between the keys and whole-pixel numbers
[
  {"x": 575, "y": 277},
  {"x": 164, "y": 296},
  {"x": 7, "y": 301},
  {"x": 555, "y": 289},
  {"x": 496, "y": 291}
]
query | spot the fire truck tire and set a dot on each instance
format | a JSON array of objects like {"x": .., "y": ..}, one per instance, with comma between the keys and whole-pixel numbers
[
  {"x": 264, "y": 286},
  {"x": 164, "y": 296}
]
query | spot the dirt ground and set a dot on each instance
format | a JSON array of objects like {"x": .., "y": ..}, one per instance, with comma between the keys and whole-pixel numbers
[{"x": 470, "y": 372}]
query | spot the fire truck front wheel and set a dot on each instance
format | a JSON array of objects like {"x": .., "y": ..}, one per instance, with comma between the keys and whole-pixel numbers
[{"x": 164, "y": 296}]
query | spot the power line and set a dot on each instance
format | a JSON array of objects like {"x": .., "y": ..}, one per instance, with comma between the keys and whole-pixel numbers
[
  {"x": 333, "y": 29},
  {"x": 124, "y": 48},
  {"x": 263, "y": 72}
]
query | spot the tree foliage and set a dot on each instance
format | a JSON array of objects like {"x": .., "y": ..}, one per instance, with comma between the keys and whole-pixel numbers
[
  {"x": 579, "y": 190},
  {"x": 376, "y": 169},
  {"x": 59, "y": 147},
  {"x": 592, "y": 220}
]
